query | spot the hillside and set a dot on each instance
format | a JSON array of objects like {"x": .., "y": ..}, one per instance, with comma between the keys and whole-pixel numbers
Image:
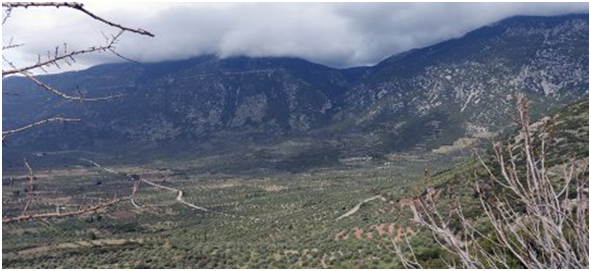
[
  {"x": 566, "y": 144},
  {"x": 418, "y": 100}
]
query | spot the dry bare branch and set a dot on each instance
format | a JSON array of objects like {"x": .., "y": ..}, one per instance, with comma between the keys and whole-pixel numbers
[
  {"x": 39, "y": 123},
  {"x": 550, "y": 230},
  {"x": 6, "y": 15},
  {"x": 95, "y": 208},
  {"x": 53, "y": 59},
  {"x": 57, "y": 214},
  {"x": 67, "y": 96},
  {"x": 406, "y": 262},
  {"x": 75, "y": 6},
  {"x": 56, "y": 57},
  {"x": 11, "y": 46}
]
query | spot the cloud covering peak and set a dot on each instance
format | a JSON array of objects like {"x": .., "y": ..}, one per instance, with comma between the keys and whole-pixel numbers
[{"x": 334, "y": 34}]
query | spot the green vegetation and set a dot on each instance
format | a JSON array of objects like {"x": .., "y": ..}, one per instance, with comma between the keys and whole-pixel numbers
[
  {"x": 533, "y": 190},
  {"x": 259, "y": 219},
  {"x": 275, "y": 219}
]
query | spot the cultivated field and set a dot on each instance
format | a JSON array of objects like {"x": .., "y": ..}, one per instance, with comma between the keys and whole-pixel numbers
[{"x": 341, "y": 216}]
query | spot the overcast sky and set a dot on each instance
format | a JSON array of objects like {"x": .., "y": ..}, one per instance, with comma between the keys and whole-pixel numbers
[{"x": 334, "y": 34}]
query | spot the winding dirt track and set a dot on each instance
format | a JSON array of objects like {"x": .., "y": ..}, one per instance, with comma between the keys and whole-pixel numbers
[
  {"x": 179, "y": 196},
  {"x": 356, "y": 207}
]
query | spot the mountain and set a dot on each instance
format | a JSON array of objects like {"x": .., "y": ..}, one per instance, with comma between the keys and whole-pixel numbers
[
  {"x": 566, "y": 134},
  {"x": 423, "y": 98},
  {"x": 181, "y": 100},
  {"x": 463, "y": 87}
]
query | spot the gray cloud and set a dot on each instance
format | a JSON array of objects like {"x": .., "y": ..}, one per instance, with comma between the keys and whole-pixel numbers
[{"x": 335, "y": 34}]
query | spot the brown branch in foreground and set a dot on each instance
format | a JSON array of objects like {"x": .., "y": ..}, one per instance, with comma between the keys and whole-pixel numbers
[
  {"x": 53, "y": 60},
  {"x": 66, "y": 214},
  {"x": 427, "y": 173},
  {"x": 54, "y": 57},
  {"x": 32, "y": 125},
  {"x": 6, "y": 15},
  {"x": 75, "y": 6},
  {"x": 57, "y": 213},
  {"x": 11, "y": 46},
  {"x": 64, "y": 95},
  {"x": 54, "y": 90},
  {"x": 536, "y": 220}
]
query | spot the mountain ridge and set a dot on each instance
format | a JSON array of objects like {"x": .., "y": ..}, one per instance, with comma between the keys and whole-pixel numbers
[{"x": 421, "y": 98}]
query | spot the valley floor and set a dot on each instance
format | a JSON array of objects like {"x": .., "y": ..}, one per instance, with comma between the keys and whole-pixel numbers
[{"x": 313, "y": 219}]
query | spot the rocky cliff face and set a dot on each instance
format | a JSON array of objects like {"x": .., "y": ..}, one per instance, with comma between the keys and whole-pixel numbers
[
  {"x": 465, "y": 86},
  {"x": 187, "y": 99},
  {"x": 424, "y": 97}
]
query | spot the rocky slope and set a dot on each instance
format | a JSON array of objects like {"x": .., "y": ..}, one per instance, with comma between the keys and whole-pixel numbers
[{"x": 422, "y": 98}]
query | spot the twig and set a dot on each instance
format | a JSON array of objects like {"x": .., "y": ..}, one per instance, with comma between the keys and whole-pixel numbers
[
  {"x": 53, "y": 60},
  {"x": 66, "y": 214},
  {"x": 64, "y": 95},
  {"x": 54, "y": 57},
  {"x": 6, "y": 15},
  {"x": 75, "y": 6},
  {"x": 10, "y": 46},
  {"x": 30, "y": 187},
  {"x": 32, "y": 125},
  {"x": 551, "y": 231}
]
